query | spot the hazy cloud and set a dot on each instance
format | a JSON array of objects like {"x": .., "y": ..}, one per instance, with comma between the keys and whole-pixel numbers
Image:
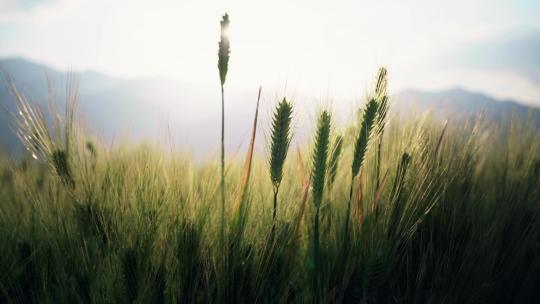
[
  {"x": 21, "y": 5},
  {"x": 517, "y": 52},
  {"x": 319, "y": 47}
]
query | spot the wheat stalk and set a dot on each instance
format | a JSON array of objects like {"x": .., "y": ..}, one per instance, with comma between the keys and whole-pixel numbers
[
  {"x": 397, "y": 189},
  {"x": 43, "y": 143},
  {"x": 320, "y": 156},
  {"x": 361, "y": 144},
  {"x": 360, "y": 149},
  {"x": 223, "y": 63},
  {"x": 280, "y": 140},
  {"x": 246, "y": 168}
]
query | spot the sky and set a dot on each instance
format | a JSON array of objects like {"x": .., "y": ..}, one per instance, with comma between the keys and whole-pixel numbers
[{"x": 319, "y": 48}]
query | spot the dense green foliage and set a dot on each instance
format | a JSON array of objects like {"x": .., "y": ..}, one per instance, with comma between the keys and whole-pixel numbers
[{"x": 456, "y": 221}]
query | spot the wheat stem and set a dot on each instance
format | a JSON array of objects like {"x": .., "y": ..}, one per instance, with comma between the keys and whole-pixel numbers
[{"x": 222, "y": 184}]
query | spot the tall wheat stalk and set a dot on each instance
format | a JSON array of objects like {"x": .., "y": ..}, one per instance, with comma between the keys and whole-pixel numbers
[
  {"x": 279, "y": 145},
  {"x": 360, "y": 149},
  {"x": 223, "y": 63},
  {"x": 320, "y": 156}
]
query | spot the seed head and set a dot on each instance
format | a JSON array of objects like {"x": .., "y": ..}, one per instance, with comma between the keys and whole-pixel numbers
[
  {"x": 360, "y": 147},
  {"x": 320, "y": 156},
  {"x": 224, "y": 49},
  {"x": 280, "y": 140}
]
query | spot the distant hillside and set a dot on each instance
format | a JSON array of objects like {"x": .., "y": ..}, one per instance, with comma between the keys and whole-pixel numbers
[
  {"x": 459, "y": 104},
  {"x": 114, "y": 108},
  {"x": 190, "y": 114},
  {"x": 32, "y": 79}
]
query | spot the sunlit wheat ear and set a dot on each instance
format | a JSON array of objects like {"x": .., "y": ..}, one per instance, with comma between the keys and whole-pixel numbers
[
  {"x": 361, "y": 144},
  {"x": 44, "y": 143},
  {"x": 279, "y": 145},
  {"x": 224, "y": 49},
  {"x": 31, "y": 126},
  {"x": 382, "y": 83},
  {"x": 280, "y": 140},
  {"x": 439, "y": 142},
  {"x": 333, "y": 162},
  {"x": 381, "y": 96},
  {"x": 320, "y": 156},
  {"x": 382, "y": 110}
]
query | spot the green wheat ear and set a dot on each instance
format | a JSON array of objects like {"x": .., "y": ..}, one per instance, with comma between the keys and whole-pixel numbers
[
  {"x": 224, "y": 49},
  {"x": 280, "y": 140},
  {"x": 360, "y": 148},
  {"x": 320, "y": 156},
  {"x": 382, "y": 83},
  {"x": 318, "y": 174},
  {"x": 361, "y": 144},
  {"x": 279, "y": 145},
  {"x": 333, "y": 163}
]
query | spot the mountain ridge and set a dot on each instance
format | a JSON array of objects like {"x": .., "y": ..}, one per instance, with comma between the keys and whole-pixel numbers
[{"x": 145, "y": 107}]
